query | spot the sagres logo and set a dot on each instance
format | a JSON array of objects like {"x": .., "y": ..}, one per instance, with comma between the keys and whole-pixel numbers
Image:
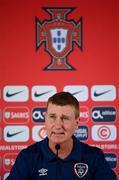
[
  {"x": 59, "y": 35},
  {"x": 9, "y": 160},
  {"x": 16, "y": 115},
  {"x": 84, "y": 114}
]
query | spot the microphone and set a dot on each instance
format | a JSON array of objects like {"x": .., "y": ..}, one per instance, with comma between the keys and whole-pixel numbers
[{"x": 57, "y": 147}]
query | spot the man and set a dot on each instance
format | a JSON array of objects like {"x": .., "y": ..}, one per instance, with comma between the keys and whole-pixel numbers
[{"x": 61, "y": 156}]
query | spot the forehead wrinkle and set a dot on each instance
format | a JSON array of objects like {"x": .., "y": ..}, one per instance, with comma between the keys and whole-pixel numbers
[
  {"x": 60, "y": 110},
  {"x": 61, "y": 116}
]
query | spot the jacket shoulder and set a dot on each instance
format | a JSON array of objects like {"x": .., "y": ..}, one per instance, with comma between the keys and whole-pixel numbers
[{"x": 90, "y": 149}]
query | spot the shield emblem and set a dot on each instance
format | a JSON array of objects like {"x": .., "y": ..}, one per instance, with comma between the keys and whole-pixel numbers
[
  {"x": 59, "y": 39},
  {"x": 59, "y": 35},
  {"x": 81, "y": 169}
]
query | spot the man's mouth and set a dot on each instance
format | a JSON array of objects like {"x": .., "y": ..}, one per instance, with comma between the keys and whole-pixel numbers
[{"x": 58, "y": 133}]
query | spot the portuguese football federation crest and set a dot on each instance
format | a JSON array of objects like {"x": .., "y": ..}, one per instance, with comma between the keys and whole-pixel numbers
[{"x": 59, "y": 35}]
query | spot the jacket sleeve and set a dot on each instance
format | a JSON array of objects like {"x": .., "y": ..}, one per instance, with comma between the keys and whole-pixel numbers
[
  {"x": 102, "y": 169},
  {"x": 22, "y": 168}
]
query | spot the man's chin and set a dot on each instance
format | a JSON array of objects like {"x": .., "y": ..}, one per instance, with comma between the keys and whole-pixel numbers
[{"x": 58, "y": 140}]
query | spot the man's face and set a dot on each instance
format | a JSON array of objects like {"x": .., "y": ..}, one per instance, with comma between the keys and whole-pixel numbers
[{"x": 60, "y": 123}]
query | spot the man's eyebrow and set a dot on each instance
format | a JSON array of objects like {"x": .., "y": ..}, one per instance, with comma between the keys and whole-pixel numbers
[
  {"x": 64, "y": 115},
  {"x": 51, "y": 113}
]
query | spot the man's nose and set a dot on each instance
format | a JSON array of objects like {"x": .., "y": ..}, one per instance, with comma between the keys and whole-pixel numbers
[{"x": 58, "y": 122}]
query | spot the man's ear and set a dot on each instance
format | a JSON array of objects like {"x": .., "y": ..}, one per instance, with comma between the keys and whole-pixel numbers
[{"x": 77, "y": 122}]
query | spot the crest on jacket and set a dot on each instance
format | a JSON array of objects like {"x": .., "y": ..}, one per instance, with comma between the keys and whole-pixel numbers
[{"x": 81, "y": 169}]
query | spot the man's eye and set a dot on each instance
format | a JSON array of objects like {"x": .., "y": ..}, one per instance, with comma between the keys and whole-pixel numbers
[
  {"x": 52, "y": 117},
  {"x": 65, "y": 118}
]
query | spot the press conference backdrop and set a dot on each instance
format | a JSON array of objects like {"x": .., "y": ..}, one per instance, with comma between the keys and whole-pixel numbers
[{"x": 52, "y": 46}]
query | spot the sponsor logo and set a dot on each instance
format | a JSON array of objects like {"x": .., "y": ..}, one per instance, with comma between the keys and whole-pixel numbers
[
  {"x": 79, "y": 92},
  {"x": 13, "y": 134},
  {"x": 111, "y": 158},
  {"x": 38, "y": 114},
  {"x": 16, "y": 133},
  {"x": 82, "y": 133},
  {"x": 103, "y": 93},
  {"x": 42, "y": 172},
  {"x": 103, "y": 114},
  {"x": 38, "y": 133},
  {"x": 42, "y": 93},
  {"x": 104, "y": 133},
  {"x": 15, "y": 93},
  {"x": 96, "y": 94},
  {"x": 9, "y": 160},
  {"x": 80, "y": 169},
  {"x": 59, "y": 34},
  {"x": 12, "y": 94},
  {"x": 16, "y": 115},
  {"x": 84, "y": 114}
]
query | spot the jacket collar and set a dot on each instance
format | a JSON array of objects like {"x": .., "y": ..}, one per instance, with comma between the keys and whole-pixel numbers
[{"x": 75, "y": 155}]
